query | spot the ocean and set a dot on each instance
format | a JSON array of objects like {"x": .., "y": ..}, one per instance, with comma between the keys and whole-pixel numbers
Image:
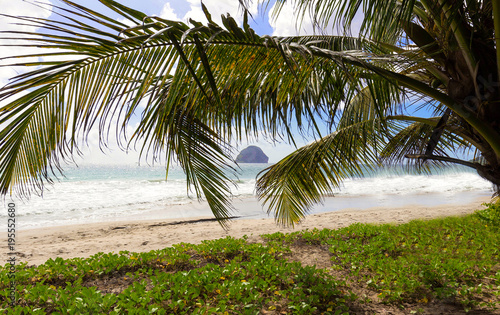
[{"x": 97, "y": 193}]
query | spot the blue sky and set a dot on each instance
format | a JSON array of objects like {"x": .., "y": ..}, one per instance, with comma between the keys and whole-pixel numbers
[{"x": 182, "y": 10}]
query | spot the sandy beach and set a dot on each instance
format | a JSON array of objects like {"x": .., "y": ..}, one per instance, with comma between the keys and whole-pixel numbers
[{"x": 35, "y": 246}]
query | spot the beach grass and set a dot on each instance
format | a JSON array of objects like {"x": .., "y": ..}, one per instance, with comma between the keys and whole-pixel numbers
[{"x": 450, "y": 264}]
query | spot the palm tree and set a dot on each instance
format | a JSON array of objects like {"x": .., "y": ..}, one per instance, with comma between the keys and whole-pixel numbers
[{"x": 206, "y": 85}]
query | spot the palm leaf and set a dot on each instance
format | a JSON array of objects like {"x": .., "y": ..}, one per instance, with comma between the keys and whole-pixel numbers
[
  {"x": 291, "y": 187},
  {"x": 204, "y": 86}
]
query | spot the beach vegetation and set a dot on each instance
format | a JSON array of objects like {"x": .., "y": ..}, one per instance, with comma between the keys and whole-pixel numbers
[
  {"x": 450, "y": 264},
  {"x": 418, "y": 85},
  {"x": 492, "y": 213}
]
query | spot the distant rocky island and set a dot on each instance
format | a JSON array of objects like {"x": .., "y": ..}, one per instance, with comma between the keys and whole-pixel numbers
[{"x": 252, "y": 154}]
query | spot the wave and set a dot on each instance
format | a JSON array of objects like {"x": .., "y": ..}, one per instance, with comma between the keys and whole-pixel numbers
[{"x": 95, "y": 193}]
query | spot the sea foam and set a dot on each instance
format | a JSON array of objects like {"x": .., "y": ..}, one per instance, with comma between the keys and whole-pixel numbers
[{"x": 107, "y": 193}]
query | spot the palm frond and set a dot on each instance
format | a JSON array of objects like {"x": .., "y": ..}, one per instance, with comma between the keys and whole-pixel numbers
[
  {"x": 204, "y": 85},
  {"x": 293, "y": 186},
  {"x": 412, "y": 139},
  {"x": 381, "y": 18},
  {"x": 113, "y": 67}
]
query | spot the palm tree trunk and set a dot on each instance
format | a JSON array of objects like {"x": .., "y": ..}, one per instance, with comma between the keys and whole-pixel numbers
[{"x": 496, "y": 21}]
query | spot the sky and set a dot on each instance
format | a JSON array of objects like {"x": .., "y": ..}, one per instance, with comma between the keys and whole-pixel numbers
[{"x": 285, "y": 24}]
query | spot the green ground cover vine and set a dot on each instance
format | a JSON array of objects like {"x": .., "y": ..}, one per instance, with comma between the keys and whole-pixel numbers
[{"x": 454, "y": 260}]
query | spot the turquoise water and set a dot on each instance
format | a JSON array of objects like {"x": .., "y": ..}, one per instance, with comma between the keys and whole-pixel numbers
[
  {"x": 144, "y": 172},
  {"x": 95, "y": 193}
]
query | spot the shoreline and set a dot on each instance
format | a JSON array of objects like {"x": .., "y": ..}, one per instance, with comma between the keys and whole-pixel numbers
[
  {"x": 35, "y": 246},
  {"x": 248, "y": 207}
]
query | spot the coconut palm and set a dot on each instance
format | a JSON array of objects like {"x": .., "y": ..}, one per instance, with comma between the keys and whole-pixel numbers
[{"x": 198, "y": 88}]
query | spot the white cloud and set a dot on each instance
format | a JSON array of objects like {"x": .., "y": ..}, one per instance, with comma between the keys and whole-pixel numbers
[
  {"x": 289, "y": 22},
  {"x": 21, "y": 7},
  {"x": 17, "y": 8},
  {"x": 168, "y": 13},
  {"x": 215, "y": 7}
]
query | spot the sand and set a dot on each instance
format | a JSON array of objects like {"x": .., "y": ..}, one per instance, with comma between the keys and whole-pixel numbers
[{"x": 35, "y": 246}]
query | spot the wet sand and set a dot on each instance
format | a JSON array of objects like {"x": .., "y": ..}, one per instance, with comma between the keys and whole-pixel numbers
[{"x": 35, "y": 246}]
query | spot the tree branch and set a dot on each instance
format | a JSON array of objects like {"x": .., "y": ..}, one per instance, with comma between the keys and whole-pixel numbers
[
  {"x": 490, "y": 134},
  {"x": 444, "y": 159},
  {"x": 461, "y": 36},
  {"x": 496, "y": 20}
]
